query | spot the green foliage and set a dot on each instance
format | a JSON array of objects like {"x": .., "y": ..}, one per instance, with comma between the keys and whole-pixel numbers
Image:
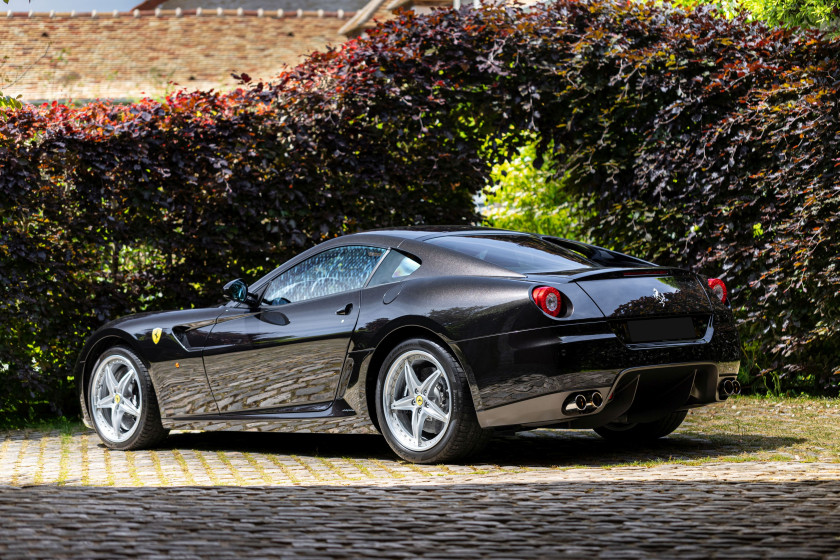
[
  {"x": 819, "y": 14},
  {"x": 9, "y": 102},
  {"x": 822, "y": 14},
  {"x": 528, "y": 198}
]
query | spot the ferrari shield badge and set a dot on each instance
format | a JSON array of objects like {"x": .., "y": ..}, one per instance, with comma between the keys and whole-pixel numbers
[{"x": 156, "y": 335}]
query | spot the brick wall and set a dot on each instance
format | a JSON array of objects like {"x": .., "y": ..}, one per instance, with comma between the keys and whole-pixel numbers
[{"x": 135, "y": 54}]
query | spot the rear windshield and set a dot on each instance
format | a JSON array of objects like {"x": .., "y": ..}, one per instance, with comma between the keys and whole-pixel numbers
[{"x": 519, "y": 253}]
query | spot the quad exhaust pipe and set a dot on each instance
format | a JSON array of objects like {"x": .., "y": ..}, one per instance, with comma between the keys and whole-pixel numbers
[
  {"x": 583, "y": 402},
  {"x": 729, "y": 387}
]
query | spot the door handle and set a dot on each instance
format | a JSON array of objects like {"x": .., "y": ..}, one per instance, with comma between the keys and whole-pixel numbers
[{"x": 345, "y": 310}]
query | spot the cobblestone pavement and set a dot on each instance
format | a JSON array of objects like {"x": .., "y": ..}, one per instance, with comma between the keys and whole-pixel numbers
[{"x": 542, "y": 494}]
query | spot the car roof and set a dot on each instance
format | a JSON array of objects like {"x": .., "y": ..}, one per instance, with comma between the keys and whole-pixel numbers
[{"x": 422, "y": 233}]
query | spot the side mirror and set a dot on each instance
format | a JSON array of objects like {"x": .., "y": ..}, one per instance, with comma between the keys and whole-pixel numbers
[{"x": 237, "y": 290}]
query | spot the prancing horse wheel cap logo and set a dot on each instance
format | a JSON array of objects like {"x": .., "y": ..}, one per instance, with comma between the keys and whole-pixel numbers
[
  {"x": 660, "y": 297},
  {"x": 156, "y": 335},
  {"x": 419, "y": 400}
]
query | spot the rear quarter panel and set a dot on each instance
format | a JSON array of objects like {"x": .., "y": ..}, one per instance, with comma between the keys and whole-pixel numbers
[{"x": 465, "y": 312}]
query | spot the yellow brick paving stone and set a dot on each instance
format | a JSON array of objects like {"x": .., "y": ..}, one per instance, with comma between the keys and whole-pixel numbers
[
  {"x": 310, "y": 468},
  {"x": 184, "y": 466},
  {"x": 349, "y": 468},
  {"x": 4, "y": 450},
  {"x": 417, "y": 469},
  {"x": 162, "y": 478},
  {"x": 199, "y": 468},
  {"x": 66, "y": 462},
  {"x": 246, "y": 473},
  {"x": 39, "y": 468},
  {"x": 29, "y": 460},
  {"x": 173, "y": 470},
  {"x": 221, "y": 472},
  {"x": 144, "y": 469},
  {"x": 284, "y": 468},
  {"x": 382, "y": 469},
  {"x": 333, "y": 468},
  {"x": 265, "y": 475},
  {"x": 399, "y": 468},
  {"x": 85, "y": 460},
  {"x": 18, "y": 448},
  {"x": 358, "y": 465},
  {"x": 130, "y": 466}
]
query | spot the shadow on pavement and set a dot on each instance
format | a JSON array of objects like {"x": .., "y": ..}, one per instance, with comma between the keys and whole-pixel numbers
[{"x": 540, "y": 448}]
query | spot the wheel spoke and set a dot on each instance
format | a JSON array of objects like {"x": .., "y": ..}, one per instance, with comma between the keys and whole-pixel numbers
[
  {"x": 411, "y": 381},
  {"x": 430, "y": 382},
  {"x": 123, "y": 384},
  {"x": 105, "y": 402},
  {"x": 434, "y": 411},
  {"x": 110, "y": 380},
  {"x": 129, "y": 407},
  {"x": 116, "y": 419},
  {"x": 406, "y": 403},
  {"x": 418, "y": 417}
]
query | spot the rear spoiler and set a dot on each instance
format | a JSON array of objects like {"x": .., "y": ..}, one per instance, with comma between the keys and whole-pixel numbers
[{"x": 598, "y": 255}]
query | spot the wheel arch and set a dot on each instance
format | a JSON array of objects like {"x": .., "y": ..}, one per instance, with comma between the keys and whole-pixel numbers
[
  {"x": 391, "y": 341},
  {"x": 95, "y": 349}
]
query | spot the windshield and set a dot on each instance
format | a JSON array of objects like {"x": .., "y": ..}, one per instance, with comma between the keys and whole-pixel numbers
[{"x": 519, "y": 253}]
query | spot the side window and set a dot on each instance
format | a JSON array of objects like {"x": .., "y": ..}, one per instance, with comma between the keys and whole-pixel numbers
[
  {"x": 395, "y": 266},
  {"x": 336, "y": 270}
]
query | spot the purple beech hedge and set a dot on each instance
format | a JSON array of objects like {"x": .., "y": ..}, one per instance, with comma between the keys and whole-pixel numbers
[{"x": 700, "y": 142}]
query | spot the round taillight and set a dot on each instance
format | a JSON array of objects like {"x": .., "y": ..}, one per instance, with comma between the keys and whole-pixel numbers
[
  {"x": 548, "y": 299},
  {"x": 719, "y": 288}
]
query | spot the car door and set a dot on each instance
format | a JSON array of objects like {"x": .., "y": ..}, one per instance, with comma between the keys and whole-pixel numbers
[{"x": 289, "y": 351}]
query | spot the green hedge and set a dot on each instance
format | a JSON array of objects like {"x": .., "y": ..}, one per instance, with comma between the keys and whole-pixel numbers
[
  {"x": 695, "y": 141},
  {"x": 108, "y": 210}
]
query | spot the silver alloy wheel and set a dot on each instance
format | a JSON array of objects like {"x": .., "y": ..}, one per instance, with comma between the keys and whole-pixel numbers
[
  {"x": 116, "y": 398},
  {"x": 417, "y": 400}
]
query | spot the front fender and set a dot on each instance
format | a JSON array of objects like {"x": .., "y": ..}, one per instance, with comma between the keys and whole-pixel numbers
[{"x": 98, "y": 342}]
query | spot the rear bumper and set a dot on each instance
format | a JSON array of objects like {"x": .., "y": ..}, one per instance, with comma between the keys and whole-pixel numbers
[
  {"x": 525, "y": 377},
  {"x": 638, "y": 394}
]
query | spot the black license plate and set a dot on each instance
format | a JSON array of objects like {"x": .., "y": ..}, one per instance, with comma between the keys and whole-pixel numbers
[{"x": 655, "y": 330}]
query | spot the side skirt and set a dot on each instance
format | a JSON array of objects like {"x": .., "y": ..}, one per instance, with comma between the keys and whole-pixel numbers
[{"x": 338, "y": 418}]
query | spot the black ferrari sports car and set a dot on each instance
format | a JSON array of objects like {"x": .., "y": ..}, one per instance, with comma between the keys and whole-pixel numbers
[{"x": 433, "y": 336}]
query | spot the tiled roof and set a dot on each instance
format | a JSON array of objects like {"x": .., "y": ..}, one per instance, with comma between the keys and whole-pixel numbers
[
  {"x": 267, "y": 5},
  {"x": 129, "y": 55}
]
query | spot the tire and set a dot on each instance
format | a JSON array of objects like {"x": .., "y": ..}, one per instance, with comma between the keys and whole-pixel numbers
[
  {"x": 427, "y": 415},
  {"x": 642, "y": 432},
  {"x": 120, "y": 384}
]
